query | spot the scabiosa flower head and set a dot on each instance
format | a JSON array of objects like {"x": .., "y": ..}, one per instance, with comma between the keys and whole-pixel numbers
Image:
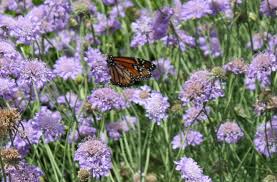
[
  {"x": 187, "y": 138},
  {"x": 98, "y": 66},
  {"x": 164, "y": 68},
  {"x": 94, "y": 156},
  {"x": 10, "y": 67},
  {"x": 18, "y": 6},
  {"x": 210, "y": 46},
  {"x": 106, "y": 24},
  {"x": 7, "y": 50},
  {"x": 23, "y": 172},
  {"x": 70, "y": 99},
  {"x": 268, "y": 7},
  {"x": 272, "y": 43},
  {"x": 83, "y": 7},
  {"x": 229, "y": 132},
  {"x": 115, "y": 129},
  {"x": 106, "y": 99},
  {"x": 260, "y": 69},
  {"x": 258, "y": 40},
  {"x": 190, "y": 170},
  {"x": 195, "y": 9},
  {"x": 129, "y": 94},
  {"x": 221, "y": 6},
  {"x": 68, "y": 68},
  {"x": 141, "y": 95},
  {"x": 266, "y": 137},
  {"x": 236, "y": 66},
  {"x": 156, "y": 106},
  {"x": 200, "y": 88},
  {"x": 10, "y": 156},
  {"x": 8, "y": 88},
  {"x": 50, "y": 123},
  {"x": 161, "y": 23},
  {"x": 194, "y": 115},
  {"x": 8, "y": 120},
  {"x": 109, "y": 2},
  {"x": 34, "y": 73}
]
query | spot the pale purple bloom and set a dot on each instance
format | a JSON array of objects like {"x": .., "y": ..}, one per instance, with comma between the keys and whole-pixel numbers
[
  {"x": 106, "y": 24},
  {"x": 187, "y": 138},
  {"x": 120, "y": 8},
  {"x": 161, "y": 23},
  {"x": 109, "y": 2},
  {"x": 7, "y": 50},
  {"x": 258, "y": 40},
  {"x": 200, "y": 88},
  {"x": 260, "y": 69},
  {"x": 106, "y": 99},
  {"x": 50, "y": 124},
  {"x": 190, "y": 170},
  {"x": 10, "y": 67},
  {"x": 272, "y": 43},
  {"x": 68, "y": 68},
  {"x": 164, "y": 68},
  {"x": 269, "y": 7},
  {"x": 194, "y": 115},
  {"x": 94, "y": 156},
  {"x": 19, "y": 6},
  {"x": 23, "y": 172},
  {"x": 229, "y": 132},
  {"x": 141, "y": 95},
  {"x": 98, "y": 65},
  {"x": 156, "y": 106},
  {"x": 8, "y": 88},
  {"x": 224, "y": 6},
  {"x": 236, "y": 66},
  {"x": 210, "y": 46},
  {"x": 266, "y": 137},
  {"x": 195, "y": 9},
  {"x": 70, "y": 99},
  {"x": 129, "y": 94}
]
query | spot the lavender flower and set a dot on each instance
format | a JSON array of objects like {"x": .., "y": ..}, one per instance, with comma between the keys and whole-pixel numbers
[
  {"x": 236, "y": 66},
  {"x": 94, "y": 156},
  {"x": 50, "y": 123},
  {"x": 68, "y": 68},
  {"x": 200, "y": 88},
  {"x": 141, "y": 95},
  {"x": 268, "y": 7},
  {"x": 273, "y": 44},
  {"x": 190, "y": 171},
  {"x": 10, "y": 67},
  {"x": 129, "y": 94},
  {"x": 98, "y": 65},
  {"x": 210, "y": 46},
  {"x": 195, "y": 9},
  {"x": 194, "y": 115},
  {"x": 70, "y": 99},
  {"x": 106, "y": 24},
  {"x": 261, "y": 67},
  {"x": 18, "y": 6},
  {"x": 266, "y": 136},
  {"x": 23, "y": 172},
  {"x": 164, "y": 68},
  {"x": 7, "y": 50},
  {"x": 156, "y": 107},
  {"x": 221, "y": 6},
  {"x": 187, "y": 138},
  {"x": 230, "y": 132},
  {"x": 258, "y": 40},
  {"x": 161, "y": 23},
  {"x": 8, "y": 88},
  {"x": 106, "y": 99},
  {"x": 109, "y": 2}
]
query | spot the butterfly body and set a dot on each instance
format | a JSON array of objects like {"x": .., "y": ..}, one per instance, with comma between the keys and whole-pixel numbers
[{"x": 125, "y": 71}]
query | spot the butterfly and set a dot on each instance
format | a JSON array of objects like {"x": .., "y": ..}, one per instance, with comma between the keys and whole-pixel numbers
[{"x": 125, "y": 71}]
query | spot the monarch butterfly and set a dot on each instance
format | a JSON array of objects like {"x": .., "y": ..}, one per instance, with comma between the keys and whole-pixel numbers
[{"x": 125, "y": 71}]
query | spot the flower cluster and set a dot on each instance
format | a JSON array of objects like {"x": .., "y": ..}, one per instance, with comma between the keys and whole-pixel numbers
[
  {"x": 187, "y": 138},
  {"x": 230, "y": 132}
]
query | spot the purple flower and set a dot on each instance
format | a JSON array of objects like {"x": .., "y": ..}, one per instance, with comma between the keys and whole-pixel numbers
[
  {"x": 194, "y": 115},
  {"x": 266, "y": 137},
  {"x": 7, "y": 50},
  {"x": 221, "y": 6},
  {"x": 190, "y": 170},
  {"x": 258, "y": 40},
  {"x": 156, "y": 106},
  {"x": 164, "y": 68},
  {"x": 115, "y": 129},
  {"x": 229, "y": 132},
  {"x": 200, "y": 88},
  {"x": 94, "y": 156},
  {"x": 98, "y": 65},
  {"x": 195, "y": 9},
  {"x": 187, "y": 138},
  {"x": 10, "y": 67},
  {"x": 272, "y": 43},
  {"x": 109, "y": 2},
  {"x": 50, "y": 123},
  {"x": 120, "y": 8},
  {"x": 210, "y": 46},
  {"x": 8, "y": 88},
  {"x": 68, "y": 68},
  {"x": 106, "y": 24},
  {"x": 106, "y": 99},
  {"x": 236, "y": 66},
  {"x": 129, "y": 94},
  {"x": 34, "y": 73},
  {"x": 18, "y": 6},
  {"x": 141, "y": 95},
  {"x": 23, "y": 172},
  {"x": 261, "y": 67},
  {"x": 161, "y": 23},
  {"x": 268, "y": 7},
  {"x": 70, "y": 99}
]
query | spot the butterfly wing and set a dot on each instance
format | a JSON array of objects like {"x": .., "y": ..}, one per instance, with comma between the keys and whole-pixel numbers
[{"x": 120, "y": 77}]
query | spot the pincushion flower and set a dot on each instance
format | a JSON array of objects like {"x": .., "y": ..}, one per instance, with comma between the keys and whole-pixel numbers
[
  {"x": 106, "y": 99},
  {"x": 268, "y": 7},
  {"x": 266, "y": 137},
  {"x": 8, "y": 49},
  {"x": 8, "y": 88},
  {"x": 15, "y": 5},
  {"x": 258, "y": 40},
  {"x": 224, "y": 6},
  {"x": 210, "y": 46},
  {"x": 94, "y": 156},
  {"x": 236, "y": 66},
  {"x": 230, "y": 132},
  {"x": 195, "y": 9},
  {"x": 164, "y": 68},
  {"x": 68, "y": 68},
  {"x": 194, "y": 115},
  {"x": 260, "y": 69},
  {"x": 50, "y": 124},
  {"x": 141, "y": 95},
  {"x": 70, "y": 99},
  {"x": 187, "y": 138},
  {"x": 10, "y": 67},
  {"x": 161, "y": 23},
  {"x": 106, "y": 24}
]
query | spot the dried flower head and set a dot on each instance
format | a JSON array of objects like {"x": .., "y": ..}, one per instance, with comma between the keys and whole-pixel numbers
[
  {"x": 10, "y": 156},
  {"x": 236, "y": 66},
  {"x": 8, "y": 120},
  {"x": 83, "y": 175}
]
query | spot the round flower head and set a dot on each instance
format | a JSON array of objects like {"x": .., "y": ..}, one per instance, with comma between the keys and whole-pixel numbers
[
  {"x": 200, "y": 88},
  {"x": 109, "y": 2},
  {"x": 236, "y": 66},
  {"x": 195, "y": 9},
  {"x": 184, "y": 139},
  {"x": 98, "y": 66},
  {"x": 194, "y": 115},
  {"x": 50, "y": 124},
  {"x": 164, "y": 68},
  {"x": 266, "y": 137},
  {"x": 156, "y": 106},
  {"x": 106, "y": 24},
  {"x": 229, "y": 132},
  {"x": 106, "y": 99},
  {"x": 17, "y": 6},
  {"x": 8, "y": 88},
  {"x": 268, "y": 7},
  {"x": 129, "y": 94},
  {"x": 70, "y": 99},
  {"x": 141, "y": 95},
  {"x": 7, "y": 50},
  {"x": 210, "y": 46},
  {"x": 261, "y": 67},
  {"x": 161, "y": 23},
  {"x": 68, "y": 68},
  {"x": 258, "y": 40},
  {"x": 10, "y": 67},
  {"x": 23, "y": 172},
  {"x": 190, "y": 171},
  {"x": 94, "y": 156},
  {"x": 221, "y": 6}
]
